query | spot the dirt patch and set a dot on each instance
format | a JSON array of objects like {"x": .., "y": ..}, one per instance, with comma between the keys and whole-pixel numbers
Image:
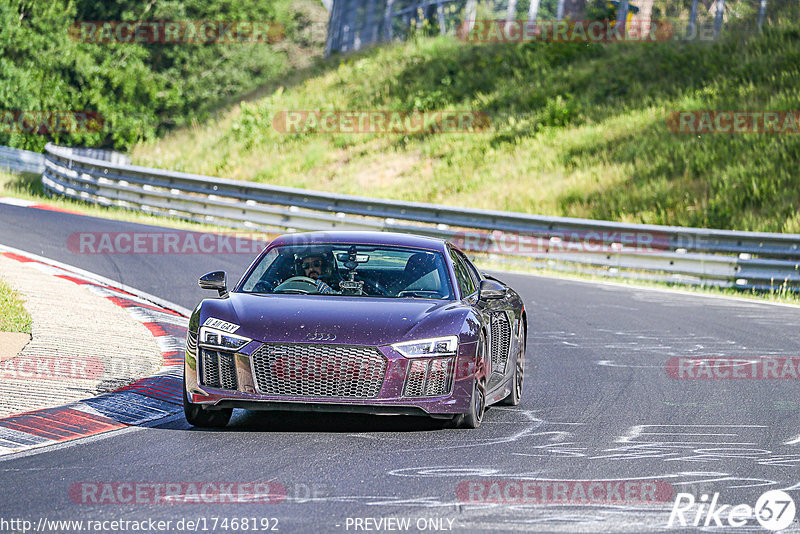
[
  {"x": 11, "y": 343},
  {"x": 383, "y": 173}
]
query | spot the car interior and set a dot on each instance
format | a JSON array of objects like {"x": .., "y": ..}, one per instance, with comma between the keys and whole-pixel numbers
[{"x": 365, "y": 271}]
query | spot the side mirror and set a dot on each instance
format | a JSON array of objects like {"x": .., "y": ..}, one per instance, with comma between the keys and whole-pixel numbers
[
  {"x": 491, "y": 289},
  {"x": 215, "y": 280}
]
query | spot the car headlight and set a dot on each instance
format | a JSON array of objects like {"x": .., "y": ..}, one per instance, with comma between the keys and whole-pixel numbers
[
  {"x": 217, "y": 339},
  {"x": 438, "y": 346}
]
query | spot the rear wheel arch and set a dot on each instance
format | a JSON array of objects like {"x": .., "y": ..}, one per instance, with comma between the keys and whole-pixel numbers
[
  {"x": 524, "y": 331},
  {"x": 486, "y": 350}
]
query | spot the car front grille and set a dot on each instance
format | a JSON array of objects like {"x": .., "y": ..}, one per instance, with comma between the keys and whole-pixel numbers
[
  {"x": 218, "y": 369},
  {"x": 501, "y": 337},
  {"x": 319, "y": 370},
  {"x": 429, "y": 377}
]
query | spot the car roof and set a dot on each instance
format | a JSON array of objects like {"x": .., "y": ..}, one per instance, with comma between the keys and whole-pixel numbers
[{"x": 362, "y": 238}]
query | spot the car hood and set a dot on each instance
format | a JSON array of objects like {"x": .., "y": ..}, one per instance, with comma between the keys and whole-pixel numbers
[{"x": 352, "y": 320}]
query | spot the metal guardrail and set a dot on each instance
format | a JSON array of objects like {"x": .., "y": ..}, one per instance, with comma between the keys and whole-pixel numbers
[
  {"x": 18, "y": 160},
  {"x": 684, "y": 255},
  {"x": 104, "y": 155},
  {"x": 14, "y": 159}
]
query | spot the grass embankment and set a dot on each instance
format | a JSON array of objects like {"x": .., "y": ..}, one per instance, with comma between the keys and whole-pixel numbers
[
  {"x": 577, "y": 130},
  {"x": 13, "y": 317}
]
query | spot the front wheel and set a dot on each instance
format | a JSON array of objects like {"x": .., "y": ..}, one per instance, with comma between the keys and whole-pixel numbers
[
  {"x": 199, "y": 417},
  {"x": 477, "y": 406},
  {"x": 473, "y": 418},
  {"x": 515, "y": 396}
]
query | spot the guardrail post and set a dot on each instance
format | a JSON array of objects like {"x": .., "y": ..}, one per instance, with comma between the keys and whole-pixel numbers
[
  {"x": 440, "y": 17},
  {"x": 511, "y": 12},
  {"x": 622, "y": 18},
  {"x": 387, "y": 19},
  {"x": 470, "y": 12},
  {"x": 354, "y": 41},
  {"x": 369, "y": 25},
  {"x": 533, "y": 11},
  {"x": 718, "y": 17},
  {"x": 691, "y": 31},
  {"x": 762, "y": 11}
]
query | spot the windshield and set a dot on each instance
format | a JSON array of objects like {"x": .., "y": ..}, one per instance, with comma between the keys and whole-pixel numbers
[{"x": 353, "y": 270}]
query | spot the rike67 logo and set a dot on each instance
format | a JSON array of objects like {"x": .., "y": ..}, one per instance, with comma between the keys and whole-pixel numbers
[{"x": 774, "y": 510}]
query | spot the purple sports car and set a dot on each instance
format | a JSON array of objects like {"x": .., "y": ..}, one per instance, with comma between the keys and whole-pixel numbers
[{"x": 369, "y": 322}]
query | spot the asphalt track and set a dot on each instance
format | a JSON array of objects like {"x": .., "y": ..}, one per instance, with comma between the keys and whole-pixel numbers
[{"x": 598, "y": 405}]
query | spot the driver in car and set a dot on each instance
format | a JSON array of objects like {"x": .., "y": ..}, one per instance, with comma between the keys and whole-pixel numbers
[{"x": 312, "y": 266}]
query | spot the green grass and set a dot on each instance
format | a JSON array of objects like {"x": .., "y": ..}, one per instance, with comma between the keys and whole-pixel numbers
[
  {"x": 577, "y": 130},
  {"x": 13, "y": 316}
]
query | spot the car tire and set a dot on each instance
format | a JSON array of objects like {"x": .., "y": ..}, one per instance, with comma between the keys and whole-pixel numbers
[
  {"x": 517, "y": 381},
  {"x": 198, "y": 416},
  {"x": 477, "y": 404}
]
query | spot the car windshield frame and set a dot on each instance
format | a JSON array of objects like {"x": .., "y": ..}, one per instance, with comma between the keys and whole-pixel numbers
[{"x": 340, "y": 252}]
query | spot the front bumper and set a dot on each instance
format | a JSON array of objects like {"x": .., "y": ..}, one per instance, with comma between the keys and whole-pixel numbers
[{"x": 391, "y": 399}]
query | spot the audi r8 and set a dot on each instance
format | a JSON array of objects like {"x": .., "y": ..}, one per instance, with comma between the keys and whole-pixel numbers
[{"x": 372, "y": 322}]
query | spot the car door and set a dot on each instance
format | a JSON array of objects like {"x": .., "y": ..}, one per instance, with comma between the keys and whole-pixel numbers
[
  {"x": 504, "y": 321},
  {"x": 497, "y": 313}
]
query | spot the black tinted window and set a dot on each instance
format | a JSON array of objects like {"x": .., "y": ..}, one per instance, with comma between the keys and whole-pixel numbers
[
  {"x": 465, "y": 283},
  {"x": 473, "y": 272}
]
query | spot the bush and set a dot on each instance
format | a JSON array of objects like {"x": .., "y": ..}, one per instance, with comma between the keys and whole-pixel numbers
[{"x": 140, "y": 90}]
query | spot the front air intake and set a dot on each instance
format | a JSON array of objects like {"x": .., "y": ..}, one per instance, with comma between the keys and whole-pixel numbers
[
  {"x": 429, "y": 377},
  {"x": 218, "y": 369}
]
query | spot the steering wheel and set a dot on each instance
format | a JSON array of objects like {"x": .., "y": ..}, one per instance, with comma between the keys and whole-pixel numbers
[
  {"x": 295, "y": 285},
  {"x": 376, "y": 288},
  {"x": 264, "y": 286}
]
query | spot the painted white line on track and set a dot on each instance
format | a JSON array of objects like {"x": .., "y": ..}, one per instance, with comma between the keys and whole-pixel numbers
[{"x": 11, "y": 201}]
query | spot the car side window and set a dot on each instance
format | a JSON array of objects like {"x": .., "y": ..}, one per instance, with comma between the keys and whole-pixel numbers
[
  {"x": 473, "y": 272},
  {"x": 465, "y": 284}
]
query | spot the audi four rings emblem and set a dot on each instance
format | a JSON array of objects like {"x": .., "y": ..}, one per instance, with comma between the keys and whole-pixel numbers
[{"x": 320, "y": 336}]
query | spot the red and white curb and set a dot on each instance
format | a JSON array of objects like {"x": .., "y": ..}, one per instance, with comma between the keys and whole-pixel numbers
[{"x": 145, "y": 400}]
